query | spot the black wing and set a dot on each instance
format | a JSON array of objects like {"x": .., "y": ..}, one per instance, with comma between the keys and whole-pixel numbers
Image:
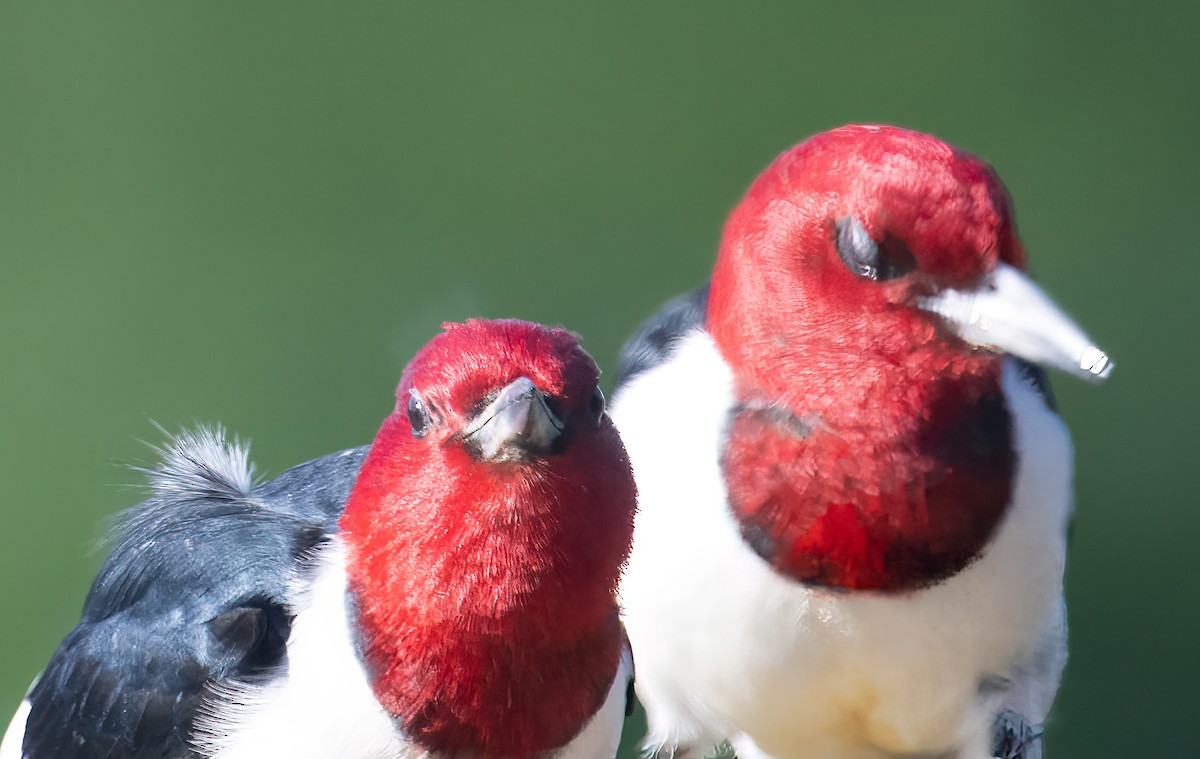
[
  {"x": 655, "y": 340},
  {"x": 194, "y": 592}
]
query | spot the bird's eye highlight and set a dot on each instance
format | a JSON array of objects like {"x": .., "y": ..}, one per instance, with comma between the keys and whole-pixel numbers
[
  {"x": 596, "y": 408},
  {"x": 867, "y": 258},
  {"x": 418, "y": 415}
]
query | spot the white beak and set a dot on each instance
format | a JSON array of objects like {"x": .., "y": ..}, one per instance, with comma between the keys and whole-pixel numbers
[{"x": 1009, "y": 313}]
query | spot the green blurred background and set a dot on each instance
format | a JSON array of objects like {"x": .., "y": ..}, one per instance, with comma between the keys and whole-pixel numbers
[{"x": 255, "y": 212}]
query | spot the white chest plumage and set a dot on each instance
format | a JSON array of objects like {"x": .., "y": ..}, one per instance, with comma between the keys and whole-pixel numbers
[
  {"x": 10, "y": 745},
  {"x": 728, "y": 649},
  {"x": 324, "y": 707}
]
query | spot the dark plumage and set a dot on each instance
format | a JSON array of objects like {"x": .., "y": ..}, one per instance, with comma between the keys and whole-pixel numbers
[
  {"x": 193, "y": 593},
  {"x": 654, "y": 341}
]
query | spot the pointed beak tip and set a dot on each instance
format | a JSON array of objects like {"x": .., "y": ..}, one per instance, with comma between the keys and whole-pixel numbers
[
  {"x": 1096, "y": 364},
  {"x": 1009, "y": 313}
]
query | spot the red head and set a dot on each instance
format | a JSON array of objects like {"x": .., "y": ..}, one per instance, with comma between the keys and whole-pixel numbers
[
  {"x": 485, "y": 537},
  {"x": 789, "y": 272},
  {"x": 871, "y": 447}
]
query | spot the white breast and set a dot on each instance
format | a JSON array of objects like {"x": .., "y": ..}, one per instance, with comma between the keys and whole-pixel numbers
[
  {"x": 10, "y": 745},
  {"x": 602, "y": 734},
  {"x": 727, "y": 647},
  {"x": 323, "y": 706}
]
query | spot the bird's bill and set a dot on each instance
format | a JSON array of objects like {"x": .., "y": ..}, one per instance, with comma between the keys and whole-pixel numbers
[
  {"x": 1007, "y": 312},
  {"x": 517, "y": 425}
]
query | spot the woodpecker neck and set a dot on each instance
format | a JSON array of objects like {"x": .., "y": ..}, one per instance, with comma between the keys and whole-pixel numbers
[
  {"x": 480, "y": 599},
  {"x": 869, "y": 471}
]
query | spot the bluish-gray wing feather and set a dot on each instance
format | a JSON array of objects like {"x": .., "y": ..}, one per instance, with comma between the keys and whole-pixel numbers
[
  {"x": 655, "y": 340},
  {"x": 194, "y": 592}
]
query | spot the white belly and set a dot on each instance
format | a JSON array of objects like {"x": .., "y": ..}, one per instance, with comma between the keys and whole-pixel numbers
[{"x": 726, "y": 647}]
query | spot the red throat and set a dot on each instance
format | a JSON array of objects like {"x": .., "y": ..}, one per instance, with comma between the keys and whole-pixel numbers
[
  {"x": 484, "y": 593},
  {"x": 893, "y": 503}
]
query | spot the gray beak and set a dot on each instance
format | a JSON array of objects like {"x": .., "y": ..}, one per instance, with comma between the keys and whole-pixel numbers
[{"x": 516, "y": 426}]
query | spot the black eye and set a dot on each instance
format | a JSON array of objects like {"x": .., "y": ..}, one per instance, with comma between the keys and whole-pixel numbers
[
  {"x": 869, "y": 259},
  {"x": 596, "y": 408},
  {"x": 418, "y": 415}
]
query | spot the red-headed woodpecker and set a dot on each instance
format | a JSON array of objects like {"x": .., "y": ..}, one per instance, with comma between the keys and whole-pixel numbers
[
  {"x": 448, "y": 592},
  {"x": 854, "y": 490}
]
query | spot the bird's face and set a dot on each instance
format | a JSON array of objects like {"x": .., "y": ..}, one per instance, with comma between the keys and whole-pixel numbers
[
  {"x": 510, "y": 415},
  {"x": 501, "y": 396},
  {"x": 867, "y": 288},
  {"x": 499, "y": 445},
  {"x": 500, "y": 424},
  {"x": 868, "y": 253}
]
